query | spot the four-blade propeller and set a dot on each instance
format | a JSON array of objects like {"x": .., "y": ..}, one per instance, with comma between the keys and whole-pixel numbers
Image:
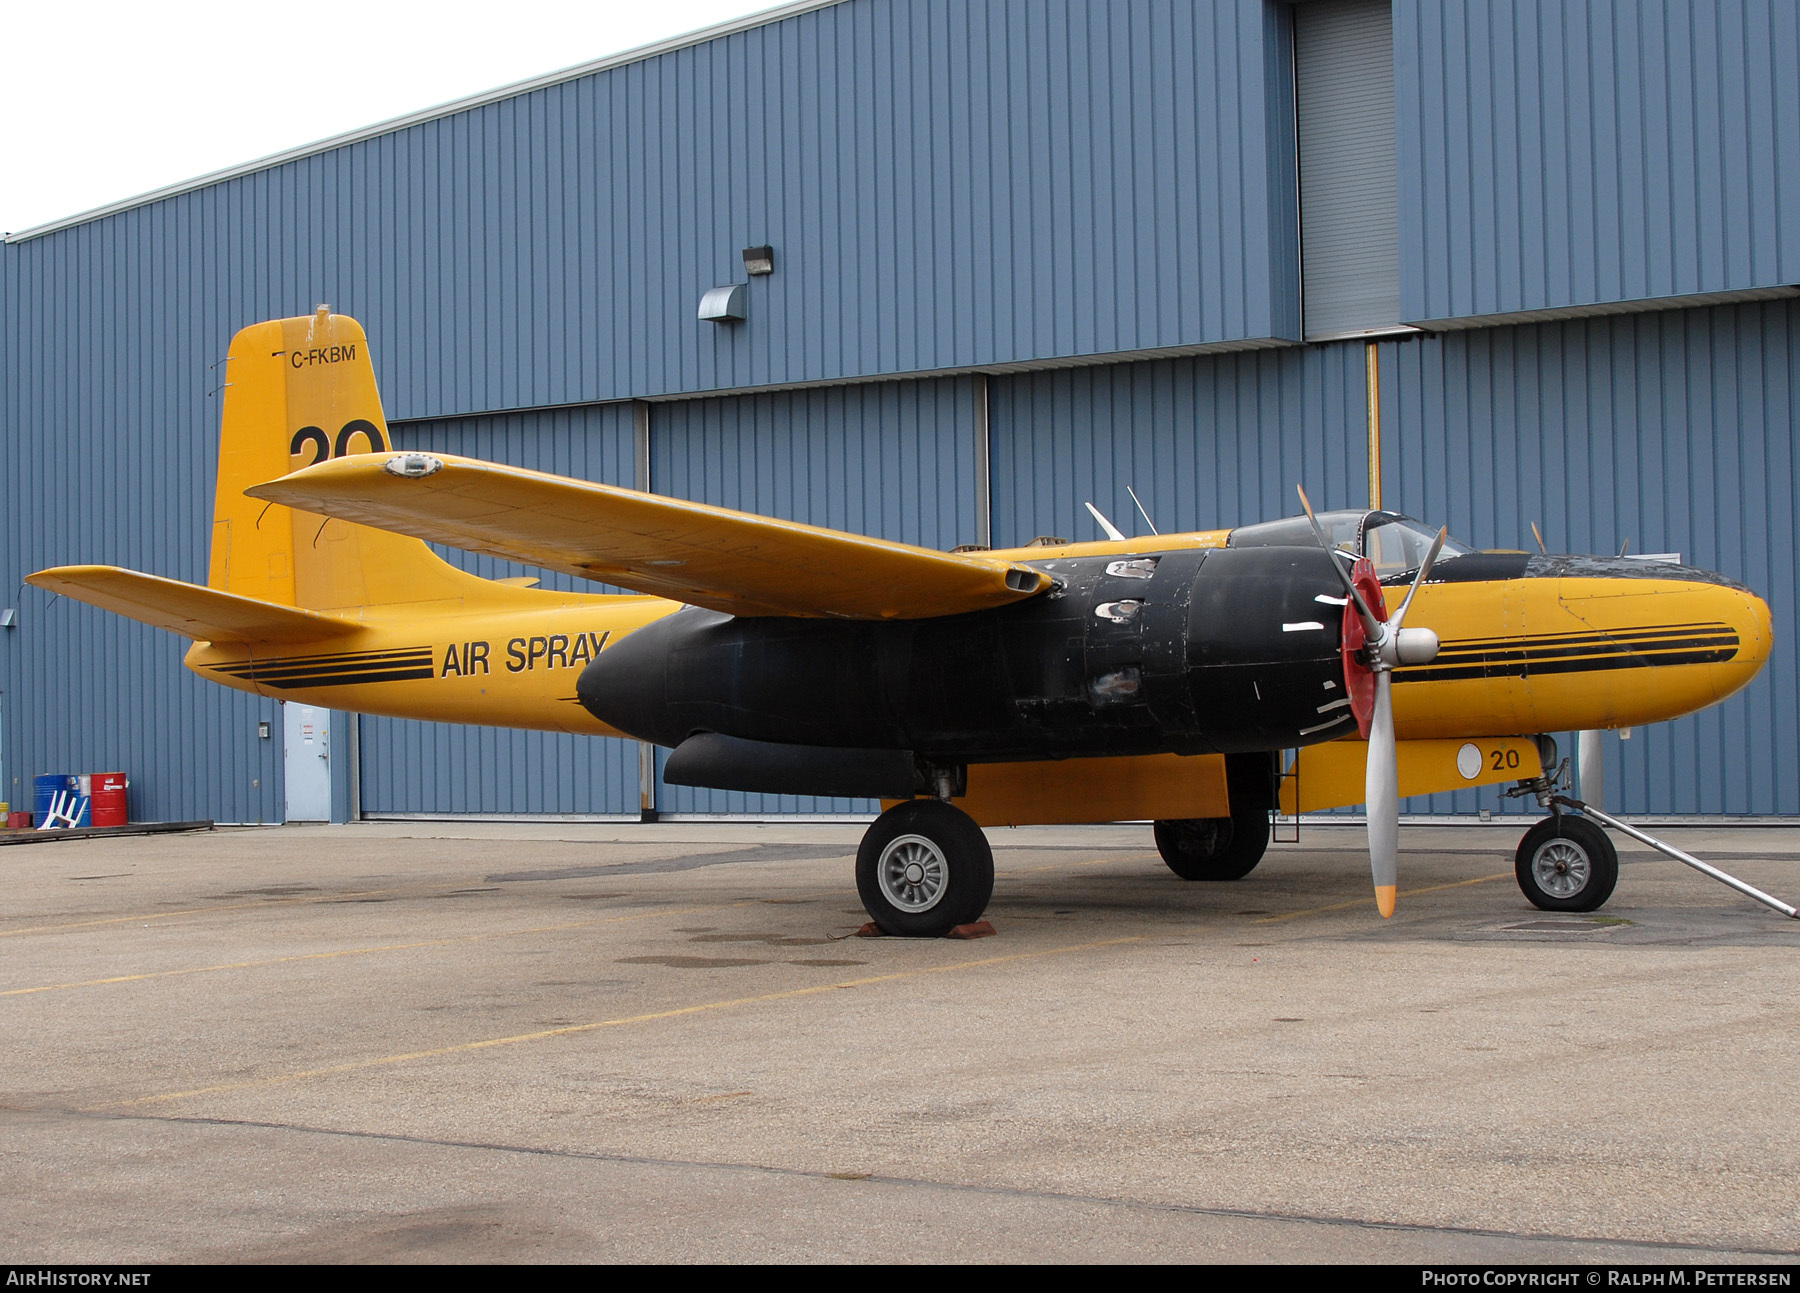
[{"x": 1375, "y": 644}]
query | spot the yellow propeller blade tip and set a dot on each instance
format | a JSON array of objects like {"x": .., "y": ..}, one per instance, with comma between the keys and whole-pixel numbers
[{"x": 1384, "y": 899}]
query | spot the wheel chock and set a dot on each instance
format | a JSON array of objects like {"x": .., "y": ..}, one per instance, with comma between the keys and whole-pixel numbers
[{"x": 975, "y": 929}]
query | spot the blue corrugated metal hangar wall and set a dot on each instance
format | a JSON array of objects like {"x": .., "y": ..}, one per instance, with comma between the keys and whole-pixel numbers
[{"x": 1027, "y": 254}]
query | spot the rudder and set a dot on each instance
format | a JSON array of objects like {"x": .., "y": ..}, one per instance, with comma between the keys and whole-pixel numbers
[{"x": 299, "y": 391}]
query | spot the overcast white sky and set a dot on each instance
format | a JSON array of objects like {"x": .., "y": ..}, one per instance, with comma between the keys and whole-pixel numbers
[{"x": 101, "y": 100}]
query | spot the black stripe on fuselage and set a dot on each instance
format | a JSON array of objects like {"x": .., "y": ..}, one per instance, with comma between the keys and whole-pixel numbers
[
  {"x": 1649, "y": 637},
  {"x": 1598, "y": 653},
  {"x": 348, "y": 679},
  {"x": 1597, "y": 647},
  {"x": 342, "y": 670},
  {"x": 1527, "y": 669},
  {"x": 342, "y": 658}
]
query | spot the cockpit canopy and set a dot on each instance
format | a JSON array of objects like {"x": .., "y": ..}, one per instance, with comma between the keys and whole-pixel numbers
[{"x": 1394, "y": 542}]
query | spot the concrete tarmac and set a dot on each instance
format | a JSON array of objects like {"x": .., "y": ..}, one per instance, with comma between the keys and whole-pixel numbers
[{"x": 527, "y": 1042}]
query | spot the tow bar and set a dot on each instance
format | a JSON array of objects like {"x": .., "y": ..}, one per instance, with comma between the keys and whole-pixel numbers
[{"x": 1748, "y": 890}]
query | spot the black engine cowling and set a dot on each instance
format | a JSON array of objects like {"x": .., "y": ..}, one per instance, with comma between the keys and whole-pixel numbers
[{"x": 1191, "y": 651}]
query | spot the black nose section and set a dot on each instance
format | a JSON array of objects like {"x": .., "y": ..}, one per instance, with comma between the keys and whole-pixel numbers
[
  {"x": 1579, "y": 567},
  {"x": 627, "y": 686}
]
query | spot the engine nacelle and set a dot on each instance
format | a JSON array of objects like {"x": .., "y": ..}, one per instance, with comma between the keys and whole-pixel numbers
[{"x": 1191, "y": 651}]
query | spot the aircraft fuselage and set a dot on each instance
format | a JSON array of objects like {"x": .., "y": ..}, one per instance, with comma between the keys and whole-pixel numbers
[{"x": 1194, "y": 651}]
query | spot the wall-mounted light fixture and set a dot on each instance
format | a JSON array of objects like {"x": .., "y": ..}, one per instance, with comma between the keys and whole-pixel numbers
[
  {"x": 759, "y": 261},
  {"x": 9, "y": 618},
  {"x": 723, "y": 304},
  {"x": 262, "y": 730}
]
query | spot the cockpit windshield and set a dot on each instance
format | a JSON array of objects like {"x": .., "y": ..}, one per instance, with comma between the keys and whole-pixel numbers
[
  {"x": 1395, "y": 543},
  {"x": 1398, "y": 543}
]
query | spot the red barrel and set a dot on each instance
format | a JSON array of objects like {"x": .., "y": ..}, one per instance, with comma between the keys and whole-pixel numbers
[{"x": 107, "y": 794}]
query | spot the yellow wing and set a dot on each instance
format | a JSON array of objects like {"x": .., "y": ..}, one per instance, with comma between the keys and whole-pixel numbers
[
  {"x": 204, "y": 614},
  {"x": 728, "y": 561}
]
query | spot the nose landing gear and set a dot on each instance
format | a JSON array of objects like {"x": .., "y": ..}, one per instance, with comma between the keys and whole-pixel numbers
[{"x": 1566, "y": 863}]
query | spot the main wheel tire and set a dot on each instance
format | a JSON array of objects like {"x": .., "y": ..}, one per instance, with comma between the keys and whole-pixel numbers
[
  {"x": 1566, "y": 863},
  {"x": 1224, "y": 848},
  {"x": 923, "y": 869}
]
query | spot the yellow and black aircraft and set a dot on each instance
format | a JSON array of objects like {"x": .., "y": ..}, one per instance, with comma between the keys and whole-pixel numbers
[{"x": 1135, "y": 679}]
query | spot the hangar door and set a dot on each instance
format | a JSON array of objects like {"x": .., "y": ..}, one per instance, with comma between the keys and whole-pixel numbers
[
  {"x": 409, "y": 766},
  {"x": 1349, "y": 179},
  {"x": 892, "y": 459}
]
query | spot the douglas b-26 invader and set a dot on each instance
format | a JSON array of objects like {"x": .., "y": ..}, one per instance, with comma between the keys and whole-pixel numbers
[{"x": 1132, "y": 679}]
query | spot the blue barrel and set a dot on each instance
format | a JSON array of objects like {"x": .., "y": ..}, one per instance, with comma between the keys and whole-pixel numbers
[{"x": 43, "y": 790}]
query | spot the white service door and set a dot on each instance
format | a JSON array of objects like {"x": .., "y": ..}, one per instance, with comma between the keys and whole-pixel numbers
[{"x": 307, "y": 731}]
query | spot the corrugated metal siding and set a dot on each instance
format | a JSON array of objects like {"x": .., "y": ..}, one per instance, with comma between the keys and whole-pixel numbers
[
  {"x": 945, "y": 183},
  {"x": 1207, "y": 442},
  {"x": 891, "y": 459},
  {"x": 414, "y": 767},
  {"x": 1675, "y": 431},
  {"x": 110, "y": 436},
  {"x": 1558, "y": 153}
]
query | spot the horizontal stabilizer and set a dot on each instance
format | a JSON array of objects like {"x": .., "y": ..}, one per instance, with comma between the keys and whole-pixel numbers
[
  {"x": 204, "y": 614},
  {"x": 735, "y": 562}
]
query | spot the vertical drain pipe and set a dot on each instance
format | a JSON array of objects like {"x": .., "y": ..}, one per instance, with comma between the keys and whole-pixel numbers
[
  {"x": 354, "y": 754},
  {"x": 984, "y": 475},
  {"x": 1374, "y": 364},
  {"x": 640, "y": 479}
]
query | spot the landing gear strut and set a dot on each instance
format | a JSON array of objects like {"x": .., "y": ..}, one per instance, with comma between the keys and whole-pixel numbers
[
  {"x": 924, "y": 868},
  {"x": 1565, "y": 862}
]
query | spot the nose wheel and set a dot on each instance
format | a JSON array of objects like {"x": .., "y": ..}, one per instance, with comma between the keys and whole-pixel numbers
[
  {"x": 1566, "y": 863},
  {"x": 923, "y": 869}
]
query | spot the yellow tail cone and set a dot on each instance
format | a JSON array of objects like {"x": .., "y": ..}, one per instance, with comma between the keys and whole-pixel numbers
[{"x": 1384, "y": 899}]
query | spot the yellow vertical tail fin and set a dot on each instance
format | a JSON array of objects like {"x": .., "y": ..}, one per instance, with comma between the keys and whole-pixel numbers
[{"x": 299, "y": 391}]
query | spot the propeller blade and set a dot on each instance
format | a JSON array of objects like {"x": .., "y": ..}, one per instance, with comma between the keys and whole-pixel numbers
[
  {"x": 1539, "y": 536},
  {"x": 1112, "y": 531},
  {"x": 1397, "y": 620},
  {"x": 1382, "y": 789},
  {"x": 1371, "y": 625}
]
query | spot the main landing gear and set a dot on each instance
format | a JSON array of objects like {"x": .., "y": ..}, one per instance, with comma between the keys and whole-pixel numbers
[
  {"x": 924, "y": 868},
  {"x": 1224, "y": 848}
]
